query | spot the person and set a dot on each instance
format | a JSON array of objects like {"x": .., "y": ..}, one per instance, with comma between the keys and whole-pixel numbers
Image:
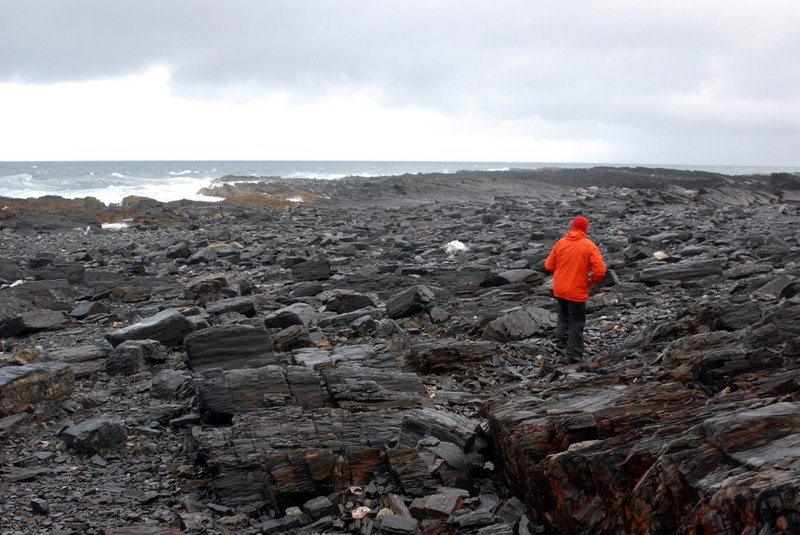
[{"x": 577, "y": 266}]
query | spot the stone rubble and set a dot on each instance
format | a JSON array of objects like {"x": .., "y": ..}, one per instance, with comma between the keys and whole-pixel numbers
[{"x": 332, "y": 367}]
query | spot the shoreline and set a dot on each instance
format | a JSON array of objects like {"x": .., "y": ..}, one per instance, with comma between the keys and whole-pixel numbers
[{"x": 172, "y": 181}]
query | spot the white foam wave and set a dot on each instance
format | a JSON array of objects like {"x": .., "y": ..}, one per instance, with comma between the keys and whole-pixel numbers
[
  {"x": 166, "y": 191},
  {"x": 24, "y": 177},
  {"x": 316, "y": 176},
  {"x": 181, "y": 173},
  {"x": 174, "y": 190},
  {"x": 117, "y": 175}
]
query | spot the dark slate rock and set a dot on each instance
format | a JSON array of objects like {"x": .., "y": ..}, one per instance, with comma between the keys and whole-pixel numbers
[
  {"x": 528, "y": 276},
  {"x": 221, "y": 395},
  {"x": 10, "y": 269},
  {"x": 357, "y": 387},
  {"x": 229, "y": 347},
  {"x": 134, "y": 356},
  {"x": 179, "y": 250},
  {"x": 100, "y": 280},
  {"x": 85, "y": 309},
  {"x": 285, "y": 524},
  {"x": 12, "y": 422},
  {"x": 51, "y": 294},
  {"x": 409, "y": 302},
  {"x": 341, "y": 320},
  {"x": 469, "y": 519},
  {"x": 41, "y": 260},
  {"x": 72, "y": 273},
  {"x": 312, "y": 271},
  {"x": 680, "y": 271},
  {"x": 41, "y": 320},
  {"x": 443, "y": 425},
  {"x": 132, "y": 294},
  {"x": 449, "y": 354},
  {"x": 306, "y": 289},
  {"x": 205, "y": 255},
  {"x": 364, "y": 325},
  {"x": 292, "y": 337},
  {"x": 319, "y": 507},
  {"x": 738, "y": 317},
  {"x": 520, "y": 324},
  {"x": 412, "y": 472},
  {"x": 243, "y": 305},
  {"x": 343, "y": 301},
  {"x": 169, "y": 327},
  {"x": 11, "y": 310},
  {"x": 22, "y": 387},
  {"x": 171, "y": 385},
  {"x": 774, "y": 287},
  {"x": 95, "y": 435},
  {"x": 206, "y": 288},
  {"x": 295, "y": 314},
  {"x": 84, "y": 360},
  {"x": 438, "y": 506},
  {"x": 30, "y": 220},
  {"x": 398, "y": 525}
]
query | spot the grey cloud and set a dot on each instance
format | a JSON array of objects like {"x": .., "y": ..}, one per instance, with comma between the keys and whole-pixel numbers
[{"x": 607, "y": 65}]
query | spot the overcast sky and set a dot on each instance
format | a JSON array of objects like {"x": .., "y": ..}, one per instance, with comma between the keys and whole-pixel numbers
[{"x": 615, "y": 81}]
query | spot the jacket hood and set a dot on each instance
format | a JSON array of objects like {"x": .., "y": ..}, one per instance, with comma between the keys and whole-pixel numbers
[{"x": 575, "y": 235}]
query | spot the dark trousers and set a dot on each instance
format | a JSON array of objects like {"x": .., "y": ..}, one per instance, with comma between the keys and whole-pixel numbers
[{"x": 571, "y": 320}]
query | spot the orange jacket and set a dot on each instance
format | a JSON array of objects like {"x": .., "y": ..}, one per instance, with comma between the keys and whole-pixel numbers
[{"x": 572, "y": 259}]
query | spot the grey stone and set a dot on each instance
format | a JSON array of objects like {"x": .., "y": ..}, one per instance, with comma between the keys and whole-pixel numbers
[
  {"x": 169, "y": 327},
  {"x": 95, "y": 435},
  {"x": 24, "y": 386},
  {"x": 229, "y": 347}
]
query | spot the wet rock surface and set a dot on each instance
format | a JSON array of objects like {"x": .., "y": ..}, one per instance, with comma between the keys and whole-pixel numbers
[{"x": 340, "y": 366}]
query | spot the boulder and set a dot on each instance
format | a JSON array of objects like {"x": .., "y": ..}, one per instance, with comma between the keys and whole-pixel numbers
[
  {"x": 312, "y": 270},
  {"x": 22, "y": 387},
  {"x": 84, "y": 360},
  {"x": 680, "y": 271},
  {"x": 243, "y": 305},
  {"x": 134, "y": 356},
  {"x": 171, "y": 385},
  {"x": 11, "y": 309},
  {"x": 206, "y": 288},
  {"x": 409, "y": 302},
  {"x": 169, "y": 327},
  {"x": 292, "y": 337},
  {"x": 343, "y": 301},
  {"x": 85, "y": 309},
  {"x": 520, "y": 324},
  {"x": 229, "y": 347},
  {"x": 449, "y": 354},
  {"x": 95, "y": 435},
  {"x": 528, "y": 276},
  {"x": 295, "y": 314}
]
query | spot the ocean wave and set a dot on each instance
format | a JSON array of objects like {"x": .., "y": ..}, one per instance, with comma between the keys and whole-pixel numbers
[
  {"x": 117, "y": 175},
  {"x": 180, "y": 173},
  {"x": 13, "y": 179},
  {"x": 316, "y": 175}
]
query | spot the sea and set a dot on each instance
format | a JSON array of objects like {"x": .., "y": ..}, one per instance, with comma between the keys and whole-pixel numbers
[{"x": 111, "y": 181}]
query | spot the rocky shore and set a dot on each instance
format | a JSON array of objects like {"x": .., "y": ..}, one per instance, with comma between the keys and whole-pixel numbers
[{"x": 373, "y": 356}]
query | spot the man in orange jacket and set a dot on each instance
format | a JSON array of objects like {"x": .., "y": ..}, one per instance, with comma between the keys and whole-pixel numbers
[{"x": 577, "y": 266}]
